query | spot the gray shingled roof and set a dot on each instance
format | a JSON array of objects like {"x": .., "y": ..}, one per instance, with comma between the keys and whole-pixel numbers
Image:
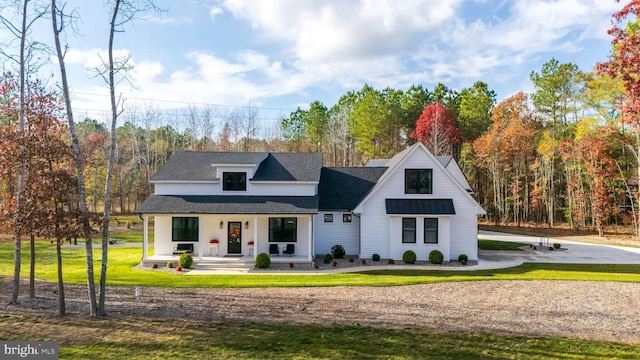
[
  {"x": 228, "y": 204},
  {"x": 200, "y": 166},
  {"x": 290, "y": 167},
  {"x": 420, "y": 206},
  {"x": 342, "y": 188}
]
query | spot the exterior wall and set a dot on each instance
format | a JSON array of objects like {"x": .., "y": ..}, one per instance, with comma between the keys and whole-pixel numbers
[
  {"x": 303, "y": 243},
  {"x": 253, "y": 189},
  {"x": 421, "y": 249},
  {"x": 209, "y": 228},
  {"x": 327, "y": 234},
  {"x": 377, "y": 234}
]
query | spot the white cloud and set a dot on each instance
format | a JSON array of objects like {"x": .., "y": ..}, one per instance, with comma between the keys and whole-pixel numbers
[
  {"x": 214, "y": 11},
  {"x": 326, "y": 31},
  {"x": 338, "y": 45}
]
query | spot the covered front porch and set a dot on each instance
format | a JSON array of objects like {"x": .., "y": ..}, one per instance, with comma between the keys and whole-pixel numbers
[{"x": 226, "y": 238}]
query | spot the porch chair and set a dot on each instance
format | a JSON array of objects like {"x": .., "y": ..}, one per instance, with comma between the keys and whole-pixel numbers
[
  {"x": 273, "y": 249},
  {"x": 290, "y": 250}
]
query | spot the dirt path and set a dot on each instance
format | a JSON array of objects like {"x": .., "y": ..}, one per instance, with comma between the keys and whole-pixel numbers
[{"x": 590, "y": 310}]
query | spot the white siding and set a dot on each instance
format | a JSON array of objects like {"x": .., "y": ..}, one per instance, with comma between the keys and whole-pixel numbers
[
  {"x": 421, "y": 249},
  {"x": 328, "y": 234},
  {"x": 377, "y": 233},
  {"x": 253, "y": 189},
  {"x": 301, "y": 245},
  {"x": 209, "y": 228}
]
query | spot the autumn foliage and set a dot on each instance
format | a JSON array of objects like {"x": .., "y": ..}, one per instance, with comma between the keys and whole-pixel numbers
[{"x": 436, "y": 128}]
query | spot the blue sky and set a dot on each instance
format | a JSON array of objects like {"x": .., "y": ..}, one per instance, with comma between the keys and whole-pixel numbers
[{"x": 280, "y": 54}]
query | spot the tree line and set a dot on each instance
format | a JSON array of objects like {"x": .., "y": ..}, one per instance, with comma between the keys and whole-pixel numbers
[{"x": 567, "y": 152}]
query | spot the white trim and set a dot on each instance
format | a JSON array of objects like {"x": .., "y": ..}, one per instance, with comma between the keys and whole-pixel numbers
[
  {"x": 236, "y": 165},
  {"x": 405, "y": 155},
  {"x": 215, "y": 181},
  {"x": 286, "y": 182},
  {"x": 145, "y": 237}
]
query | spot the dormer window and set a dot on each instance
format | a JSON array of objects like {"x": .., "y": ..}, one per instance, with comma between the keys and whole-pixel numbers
[
  {"x": 418, "y": 181},
  {"x": 234, "y": 181}
]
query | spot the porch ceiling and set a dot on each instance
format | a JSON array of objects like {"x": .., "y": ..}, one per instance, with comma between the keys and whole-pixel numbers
[{"x": 220, "y": 204}]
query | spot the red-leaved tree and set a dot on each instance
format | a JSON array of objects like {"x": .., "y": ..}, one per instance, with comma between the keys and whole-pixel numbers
[
  {"x": 624, "y": 64},
  {"x": 436, "y": 128}
]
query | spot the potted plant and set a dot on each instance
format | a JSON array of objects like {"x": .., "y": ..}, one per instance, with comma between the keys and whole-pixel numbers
[{"x": 462, "y": 259}]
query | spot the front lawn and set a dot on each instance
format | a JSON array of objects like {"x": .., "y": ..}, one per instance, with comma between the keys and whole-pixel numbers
[
  {"x": 122, "y": 271},
  {"x": 84, "y": 338}
]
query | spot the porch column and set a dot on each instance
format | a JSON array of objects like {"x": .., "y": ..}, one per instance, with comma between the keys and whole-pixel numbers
[
  {"x": 310, "y": 252},
  {"x": 145, "y": 237},
  {"x": 255, "y": 237}
]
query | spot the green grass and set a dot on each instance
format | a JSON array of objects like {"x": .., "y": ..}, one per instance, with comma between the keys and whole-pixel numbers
[
  {"x": 194, "y": 339},
  {"x": 122, "y": 260},
  {"x": 500, "y": 245}
]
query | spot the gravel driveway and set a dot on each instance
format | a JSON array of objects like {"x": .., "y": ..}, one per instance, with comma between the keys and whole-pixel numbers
[{"x": 590, "y": 310}]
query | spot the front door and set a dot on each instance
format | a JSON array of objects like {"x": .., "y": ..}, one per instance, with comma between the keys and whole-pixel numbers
[{"x": 234, "y": 237}]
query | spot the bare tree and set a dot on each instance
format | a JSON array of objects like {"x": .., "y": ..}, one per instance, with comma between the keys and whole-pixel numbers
[
  {"x": 27, "y": 51},
  {"x": 122, "y": 12},
  {"x": 82, "y": 197}
]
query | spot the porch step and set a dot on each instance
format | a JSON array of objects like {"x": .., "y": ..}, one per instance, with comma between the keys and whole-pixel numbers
[{"x": 225, "y": 265}]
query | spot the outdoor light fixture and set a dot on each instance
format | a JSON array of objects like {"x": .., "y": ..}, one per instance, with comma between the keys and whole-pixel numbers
[
  {"x": 246, "y": 225},
  {"x": 221, "y": 224}
]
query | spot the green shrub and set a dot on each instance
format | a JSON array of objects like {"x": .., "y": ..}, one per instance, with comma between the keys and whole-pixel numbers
[
  {"x": 556, "y": 246},
  {"x": 186, "y": 260},
  {"x": 328, "y": 258},
  {"x": 169, "y": 264},
  {"x": 462, "y": 258},
  {"x": 436, "y": 257},
  {"x": 409, "y": 257},
  {"x": 351, "y": 260},
  {"x": 263, "y": 261},
  {"x": 337, "y": 251},
  {"x": 375, "y": 257}
]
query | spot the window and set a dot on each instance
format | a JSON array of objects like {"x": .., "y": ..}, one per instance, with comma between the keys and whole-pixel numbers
[
  {"x": 283, "y": 229},
  {"x": 328, "y": 218},
  {"x": 418, "y": 181},
  {"x": 346, "y": 218},
  {"x": 430, "y": 231},
  {"x": 408, "y": 230},
  {"x": 184, "y": 229},
  {"x": 234, "y": 181}
]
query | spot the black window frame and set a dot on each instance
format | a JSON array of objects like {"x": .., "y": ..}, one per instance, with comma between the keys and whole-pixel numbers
[
  {"x": 431, "y": 230},
  {"x": 347, "y": 218},
  {"x": 234, "y": 181},
  {"x": 405, "y": 230},
  {"x": 281, "y": 233},
  {"x": 413, "y": 183},
  {"x": 185, "y": 228},
  {"x": 328, "y": 218}
]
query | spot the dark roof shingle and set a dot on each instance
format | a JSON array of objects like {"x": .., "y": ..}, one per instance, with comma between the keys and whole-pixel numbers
[
  {"x": 290, "y": 167},
  {"x": 228, "y": 204},
  {"x": 201, "y": 166},
  {"x": 342, "y": 188}
]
